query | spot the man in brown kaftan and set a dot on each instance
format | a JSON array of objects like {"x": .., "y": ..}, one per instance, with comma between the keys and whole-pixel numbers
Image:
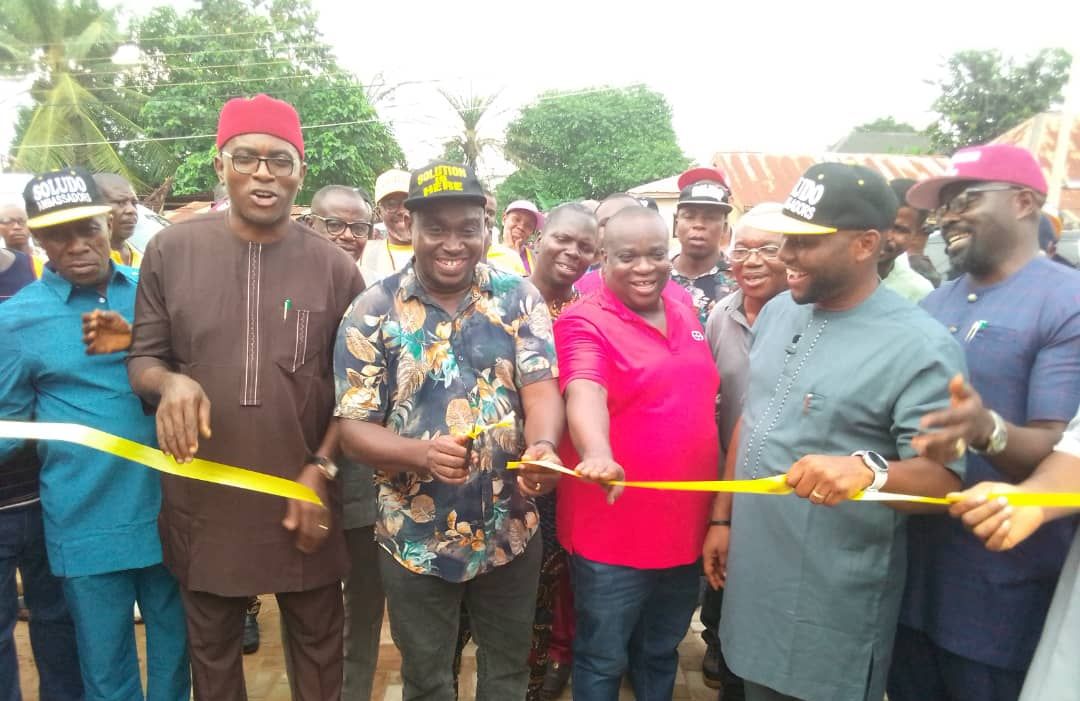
[{"x": 235, "y": 323}]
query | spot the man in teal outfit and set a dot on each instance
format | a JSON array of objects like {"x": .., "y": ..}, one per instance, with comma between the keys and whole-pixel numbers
[
  {"x": 841, "y": 371},
  {"x": 100, "y": 511}
]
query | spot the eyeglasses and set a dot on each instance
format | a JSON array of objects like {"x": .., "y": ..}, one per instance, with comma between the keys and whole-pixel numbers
[
  {"x": 740, "y": 254},
  {"x": 962, "y": 201},
  {"x": 246, "y": 164},
  {"x": 337, "y": 227},
  {"x": 391, "y": 205},
  {"x": 8, "y": 221}
]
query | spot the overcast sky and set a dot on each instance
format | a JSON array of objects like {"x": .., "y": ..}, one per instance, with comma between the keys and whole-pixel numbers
[{"x": 764, "y": 76}]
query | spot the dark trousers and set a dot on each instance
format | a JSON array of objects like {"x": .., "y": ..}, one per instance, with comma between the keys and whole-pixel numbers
[
  {"x": 364, "y": 605},
  {"x": 712, "y": 603},
  {"x": 314, "y": 640},
  {"x": 629, "y": 621},
  {"x": 424, "y": 616},
  {"x": 52, "y": 632},
  {"x": 922, "y": 671}
]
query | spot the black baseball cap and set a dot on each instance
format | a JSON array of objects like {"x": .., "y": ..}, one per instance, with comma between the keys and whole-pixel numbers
[
  {"x": 63, "y": 196},
  {"x": 707, "y": 193},
  {"x": 831, "y": 197},
  {"x": 441, "y": 181}
]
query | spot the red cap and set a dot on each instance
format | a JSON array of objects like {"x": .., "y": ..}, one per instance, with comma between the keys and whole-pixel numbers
[
  {"x": 696, "y": 175},
  {"x": 994, "y": 162},
  {"x": 261, "y": 114}
]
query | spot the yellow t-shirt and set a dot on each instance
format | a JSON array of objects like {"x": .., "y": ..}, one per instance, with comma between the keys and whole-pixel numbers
[
  {"x": 136, "y": 257},
  {"x": 505, "y": 258},
  {"x": 400, "y": 254}
]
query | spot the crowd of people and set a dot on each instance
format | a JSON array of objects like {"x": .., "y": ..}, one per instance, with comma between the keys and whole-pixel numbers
[{"x": 421, "y": 376}]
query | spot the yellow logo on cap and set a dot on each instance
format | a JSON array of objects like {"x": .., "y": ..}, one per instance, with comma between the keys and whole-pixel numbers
[{"x": 439, "y": 177}]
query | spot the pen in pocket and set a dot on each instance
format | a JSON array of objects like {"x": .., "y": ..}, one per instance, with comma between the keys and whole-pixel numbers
[
  {"x": 976, "y": 327},
  {"x": 285, "y": 309}
]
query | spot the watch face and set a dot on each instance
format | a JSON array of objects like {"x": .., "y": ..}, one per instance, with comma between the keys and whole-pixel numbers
[{"x": 880, "y": 462}]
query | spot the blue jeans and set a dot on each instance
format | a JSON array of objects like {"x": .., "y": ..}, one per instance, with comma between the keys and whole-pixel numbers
[
  {"x": 52, "y": 634},
  {"x": 629, "y": 621},
  {"x": 102, "y": 608}
]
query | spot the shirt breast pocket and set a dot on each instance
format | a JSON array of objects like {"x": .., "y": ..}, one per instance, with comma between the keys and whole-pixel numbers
[
  {"x": 301, "y": 344},
  {"x": 816, "y": 414}
]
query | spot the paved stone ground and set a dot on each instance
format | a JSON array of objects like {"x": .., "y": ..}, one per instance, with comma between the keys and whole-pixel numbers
[{"x": 265, "y": 670}]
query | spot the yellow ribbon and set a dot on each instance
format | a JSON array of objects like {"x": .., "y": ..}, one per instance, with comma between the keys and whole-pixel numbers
[
  {"x": 198, "y": 469},
  {"x": 777, "y": 485},
  {"x": 505, "y": 422}
]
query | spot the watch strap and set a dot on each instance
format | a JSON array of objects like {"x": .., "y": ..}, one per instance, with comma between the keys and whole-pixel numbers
[
  {"x": 881, "y": 473},
  {"x": 999, "y": 437},
  {"x": 326, "y": 466}
]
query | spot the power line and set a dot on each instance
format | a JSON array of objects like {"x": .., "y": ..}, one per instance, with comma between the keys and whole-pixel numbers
[
  {"x": 555, "y": 96},
  {"x": 174, "y": 36},
  {"x": 282, "y": 47},
  {"x": 196, "y": 67},
  {"x": 181, "y": 138},
  {"x": 157, "y": 99}
]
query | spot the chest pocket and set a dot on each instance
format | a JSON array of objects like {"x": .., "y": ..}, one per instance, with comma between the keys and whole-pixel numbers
[
  {"x": 816, "y": 414},
  {"x": 300, "y": 342}
]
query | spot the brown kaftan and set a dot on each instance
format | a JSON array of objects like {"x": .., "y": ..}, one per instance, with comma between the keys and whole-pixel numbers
[{"x": 255, "y": 325}]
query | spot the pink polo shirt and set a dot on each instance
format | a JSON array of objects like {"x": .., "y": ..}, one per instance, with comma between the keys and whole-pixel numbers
[{"x": 662, "y": 402}]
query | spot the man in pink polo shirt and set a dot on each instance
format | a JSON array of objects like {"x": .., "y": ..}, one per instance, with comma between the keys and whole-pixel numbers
[{"x": 640, "y": 387}]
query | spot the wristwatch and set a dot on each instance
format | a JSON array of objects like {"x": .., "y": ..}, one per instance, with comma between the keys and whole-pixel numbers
[
  {"x": 999, "y": 437},
  {"x": 326, "y": 466},
  {"x": 879, "y": 466}
]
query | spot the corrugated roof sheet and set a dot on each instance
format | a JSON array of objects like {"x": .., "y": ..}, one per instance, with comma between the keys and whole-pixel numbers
[
  {"x": 763, "y": 177},
  {"x": 1039, "y": 135}
]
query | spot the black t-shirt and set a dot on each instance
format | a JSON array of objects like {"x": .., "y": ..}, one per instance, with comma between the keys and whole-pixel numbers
[{"x": 17, "y": 276}]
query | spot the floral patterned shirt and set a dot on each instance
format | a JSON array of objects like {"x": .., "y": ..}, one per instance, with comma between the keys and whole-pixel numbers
[
  {"x": 706, "y": 290},
  {"x": 403, "y": 362}
]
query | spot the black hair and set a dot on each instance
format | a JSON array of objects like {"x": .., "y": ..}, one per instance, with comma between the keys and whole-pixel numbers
[
  {"x": 324, "y": 192},
  {"x": 567, "y": 209}
]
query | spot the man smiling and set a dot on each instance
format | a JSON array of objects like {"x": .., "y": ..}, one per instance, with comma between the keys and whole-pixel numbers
[
  {"x": 239, "y": 309},
  {"x": 841, "y": 372},
  {"x": 422, "y": 358},
  {"x": 969, "y": 633}
]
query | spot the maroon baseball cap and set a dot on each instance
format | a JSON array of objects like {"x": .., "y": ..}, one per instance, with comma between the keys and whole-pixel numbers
[
  {"x": 993, "y": 162},
  {"x": 697, "y": 175}
]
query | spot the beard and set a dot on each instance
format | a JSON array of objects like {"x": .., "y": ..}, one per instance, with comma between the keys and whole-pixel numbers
[
  {"x": 821, "y": 288},
  {"x": 978, "y": 257}
]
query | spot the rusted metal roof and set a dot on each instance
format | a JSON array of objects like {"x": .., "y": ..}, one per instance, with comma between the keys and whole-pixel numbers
[
  {"x": 1039, "y": 135},
  {"x": 763, "y": 177},
  {"x": 767, "y": 177}
]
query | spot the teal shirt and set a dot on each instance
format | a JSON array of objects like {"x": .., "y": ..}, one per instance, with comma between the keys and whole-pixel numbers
[
  {"x": 100, "y": 511},
  {"x": 812, "y": 592}
]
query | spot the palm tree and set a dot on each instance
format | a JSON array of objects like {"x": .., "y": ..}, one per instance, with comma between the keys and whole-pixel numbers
[
  {"x": 470, "y": 109},
  {"x": 65, "y": 45}
]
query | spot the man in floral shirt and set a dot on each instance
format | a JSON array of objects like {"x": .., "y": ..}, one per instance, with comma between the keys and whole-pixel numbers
[{"x": 445, "y": 371}]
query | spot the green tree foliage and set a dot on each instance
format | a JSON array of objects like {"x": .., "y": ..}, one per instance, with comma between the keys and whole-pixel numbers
[
  {"x": 197, "y": 60},
  {"x": 590, "y": 144},
  {"x": 984, "y": 94},
  {"x": 886, "y": 124},
  {"x": 65, "y": 46}
]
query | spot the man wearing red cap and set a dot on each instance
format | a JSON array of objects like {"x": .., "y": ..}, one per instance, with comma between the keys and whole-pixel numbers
[
  {"x": 971, "y": 618},
  {"x": 701, "y": 227},
  {"x": 238, "y": 310}
]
